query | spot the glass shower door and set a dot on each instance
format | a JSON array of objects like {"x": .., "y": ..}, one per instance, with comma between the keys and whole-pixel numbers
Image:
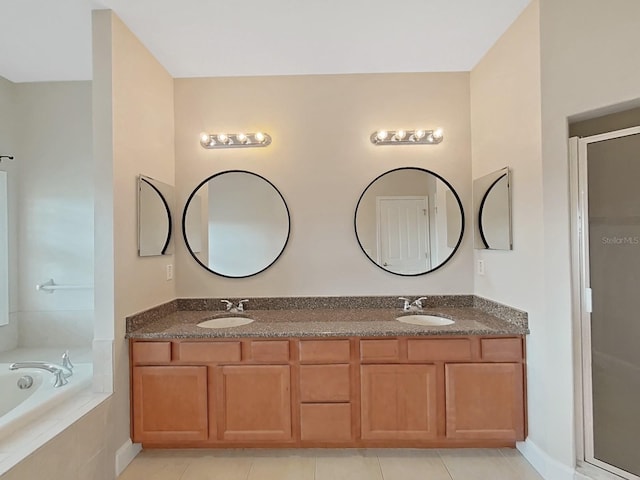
[{"x": 610, "y": 168}]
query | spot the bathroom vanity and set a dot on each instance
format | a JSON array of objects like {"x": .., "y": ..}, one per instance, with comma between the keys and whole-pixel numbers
[{"x": 328, "y": 378}]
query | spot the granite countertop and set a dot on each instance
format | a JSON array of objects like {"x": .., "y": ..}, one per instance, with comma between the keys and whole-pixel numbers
[{"x": 325, "y": 322}]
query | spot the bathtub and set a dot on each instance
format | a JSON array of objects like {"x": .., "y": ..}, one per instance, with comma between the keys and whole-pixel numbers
[{"x": 20, "y": 407}]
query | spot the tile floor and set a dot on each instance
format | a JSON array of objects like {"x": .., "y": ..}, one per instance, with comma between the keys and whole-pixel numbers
[{"x": 370, "y": 464}]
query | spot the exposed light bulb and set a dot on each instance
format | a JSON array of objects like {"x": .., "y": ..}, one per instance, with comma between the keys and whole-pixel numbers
[
  {"x": 419, "y": 134},
  {"x": 259, "y": 137},
  {"x": 205, "y": 138},
  {"x": 223, "y": 138},
  {"x": 381, "y": 135},
  {"x": 241, "y": 137},
  {"x": 437, "y": 134},
  {"x": 400, "y": 134}
]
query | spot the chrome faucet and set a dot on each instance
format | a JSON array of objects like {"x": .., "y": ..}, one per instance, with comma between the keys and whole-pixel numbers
[
  {"x": 241, "y": 303},
  {"x": 235, "y": 309},
  {"x": 57, "y": 370},
  {"x": 66, "y": 363},
  {"x": 417, "y": 303},
  {"x": 415, "y": 306}
]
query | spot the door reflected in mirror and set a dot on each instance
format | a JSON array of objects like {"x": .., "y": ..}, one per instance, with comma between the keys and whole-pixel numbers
[
  {"x": 236, "y": 224},
  {"x": 409, "y": 221},
  {"x": 492, "y": 208},
  {"x": 155, "y": 225}
]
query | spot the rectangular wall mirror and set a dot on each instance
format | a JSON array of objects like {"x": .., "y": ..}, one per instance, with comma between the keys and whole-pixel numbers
[
  {"x": 492, "y": 211},
  {"x": 155, "y": 217}
]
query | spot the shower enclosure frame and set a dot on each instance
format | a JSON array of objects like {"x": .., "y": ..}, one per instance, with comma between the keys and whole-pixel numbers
[{"x": 581, "y": 306}]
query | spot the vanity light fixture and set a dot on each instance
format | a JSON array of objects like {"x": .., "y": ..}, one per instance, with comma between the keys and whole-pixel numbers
[
  {"x": 234, "y": 140},
  {"x": 407, "y": 137}
]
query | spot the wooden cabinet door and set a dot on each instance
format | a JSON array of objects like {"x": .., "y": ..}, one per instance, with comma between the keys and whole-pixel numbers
[
  {"x": 254, "y": 403},
  {"x": 169, "y": 404},
  {"x": 398, "y": 402},
  {"x": 485, "y": 401}
]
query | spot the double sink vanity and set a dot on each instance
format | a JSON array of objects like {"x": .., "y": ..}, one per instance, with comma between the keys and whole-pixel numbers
[
  {"x": 438, "y": 371},
  {"x": 328, "y": 371}
]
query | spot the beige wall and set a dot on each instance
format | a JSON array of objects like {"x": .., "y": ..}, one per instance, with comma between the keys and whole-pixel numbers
[
  {"x": 143, "y": 126},
  {"x": 605, "y": 123},
  {"x": 588, "y": 66},
  {"x": 133, "y": 122},
  {"x": 321, "y": 160},
  {"x": 506, "y": 131}
]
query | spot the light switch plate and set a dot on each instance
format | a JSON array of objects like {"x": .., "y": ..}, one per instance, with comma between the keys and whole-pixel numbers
[{"x": 480, "y": 267}]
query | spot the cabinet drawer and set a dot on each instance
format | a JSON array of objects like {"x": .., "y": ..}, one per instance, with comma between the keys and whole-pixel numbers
[
  {"x": 324, "y": 383},
  {"x": 151, "y": 352},
  {"x": 432, "y": 350},
  {"x": 325, "y": 351},
  {"x": 325, "y": 422},
  {"x": 270, "y": 351},
  {"x": 209, "y": 352},
  {"x": 379, "y": 350},
  {"x": 501, "y": 349}
]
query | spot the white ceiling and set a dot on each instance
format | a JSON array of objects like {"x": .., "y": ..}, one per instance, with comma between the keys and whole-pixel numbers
[{"x": 45, "y": 40}]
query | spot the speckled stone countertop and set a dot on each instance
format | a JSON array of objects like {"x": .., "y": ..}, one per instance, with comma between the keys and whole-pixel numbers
[{"x": 331, "y": 321}]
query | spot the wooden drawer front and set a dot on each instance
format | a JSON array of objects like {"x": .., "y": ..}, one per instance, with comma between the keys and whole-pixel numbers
[
  {"x": 439, "y": 350},
  {"x": 379, "y": 350},
  {"x": 209, "y": 352},
  {"x": 325, "y": 422},
  {"x": 324, "y": 383},
  {"x": 325, "y": 351},
  {"x": 501, "y": 349},
  {"x": 270, "y": 351},
  {"x": 151, "y": 352}
]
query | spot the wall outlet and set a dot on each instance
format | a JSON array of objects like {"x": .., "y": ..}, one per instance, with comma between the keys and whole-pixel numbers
[
  {"x": 169, "y": 272},
  {"x": 480, "y": 267}
]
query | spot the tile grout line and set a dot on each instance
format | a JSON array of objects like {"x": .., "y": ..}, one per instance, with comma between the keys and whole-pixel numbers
[
  {"x": 444, "y": 464},
  {"x": 187, "y": 464},
  {"x": 250, "y": 467},
  {"x": 512, "y": 467},
  {"x": 380, "y": 467}
]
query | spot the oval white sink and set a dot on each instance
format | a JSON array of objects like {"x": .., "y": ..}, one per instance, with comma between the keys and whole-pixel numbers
[
  {"x": 425, "y": 320},
  {"x": 225, "y": 322}
]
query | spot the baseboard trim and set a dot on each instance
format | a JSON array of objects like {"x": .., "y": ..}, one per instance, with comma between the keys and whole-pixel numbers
[
  {"x": 548, "y": 467},
  {"x": 125, "y": 454}
]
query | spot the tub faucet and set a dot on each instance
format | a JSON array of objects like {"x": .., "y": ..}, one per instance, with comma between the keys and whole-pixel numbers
[
  {"x": 66, "y": 362},
  {"x": 415, "y": 306},
  {"x": 58, "y": 371}
]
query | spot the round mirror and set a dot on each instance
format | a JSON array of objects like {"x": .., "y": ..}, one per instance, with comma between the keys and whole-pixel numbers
[
  {"x": 154, "y": 217},
  {"x": 494, "y": 216},
  {"x": 236, "y": 224},
  {"x": 409, "y": 221}
]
